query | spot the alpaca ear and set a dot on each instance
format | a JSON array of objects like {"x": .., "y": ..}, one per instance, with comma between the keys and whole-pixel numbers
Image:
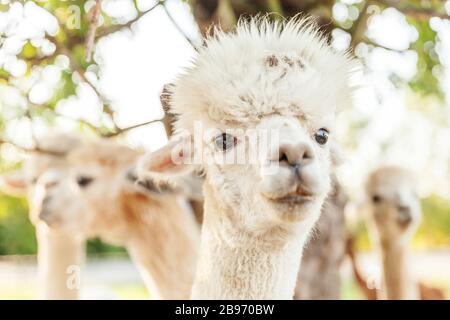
[
  {"x": 13, "y": 183},
  {"x": 337, "y": 154},
  {"x": 173, "y": 159}
]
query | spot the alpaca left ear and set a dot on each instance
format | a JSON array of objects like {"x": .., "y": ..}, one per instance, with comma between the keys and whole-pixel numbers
[{"x": 337, "y": 154}]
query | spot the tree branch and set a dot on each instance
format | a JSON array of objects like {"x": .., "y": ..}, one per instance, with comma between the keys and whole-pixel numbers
[
  {"x": 107, "y": 31},
  {"x": 93, "y": 24},
  {"x": 36, "y": 149},
  {"x": 169, "y": 15},
  {"x": 123, "y": 130},
  {"x": 75, "y": 66},
  {"x": 368, "y": 41},
  {"x": 359, "y": 26},
  {"x": 93, "y": 35},
  {"x": 275, "y": 6},
  {"x": 418, "y": 13}
]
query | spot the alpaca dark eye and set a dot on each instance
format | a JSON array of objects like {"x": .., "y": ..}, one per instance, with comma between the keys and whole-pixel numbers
[
  {"x": 376, "y": 199},
  {"x": 225, "y": 141},
  {"x": 84, "y": 181},
  {"x": 321, "y": 136}
]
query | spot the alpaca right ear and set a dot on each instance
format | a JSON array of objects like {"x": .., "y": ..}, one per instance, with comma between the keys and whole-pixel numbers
[
  {"x": 173, "y": 159},
  {"x": 13, "y": 183}
]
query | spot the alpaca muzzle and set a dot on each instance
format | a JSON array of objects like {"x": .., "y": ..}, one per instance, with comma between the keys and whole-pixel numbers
[{"x": 404, "y": 217}]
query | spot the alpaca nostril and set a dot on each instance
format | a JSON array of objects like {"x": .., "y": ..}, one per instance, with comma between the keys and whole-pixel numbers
[
  {"x": 307, "y": 154},
  {"x": 283, "y": 158}
]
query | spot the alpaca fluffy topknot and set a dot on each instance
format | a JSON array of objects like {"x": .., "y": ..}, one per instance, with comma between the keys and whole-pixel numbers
[
  {"x": 103, "y": 152},
  {"x": 389, "y": 175},
  {"x": 261, "y": 68}
]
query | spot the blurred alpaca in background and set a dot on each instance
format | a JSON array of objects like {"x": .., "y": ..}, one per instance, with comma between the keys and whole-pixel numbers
[
  {"x": 100, "y": 196},
  {"x": 90, "y": 190},
  {"x": 58, "y": 252},
  {"x": 394, "y": 216}
]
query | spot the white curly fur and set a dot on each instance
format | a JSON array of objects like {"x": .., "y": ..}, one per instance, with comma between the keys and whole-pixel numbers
[{"x": 231, "y": 79}]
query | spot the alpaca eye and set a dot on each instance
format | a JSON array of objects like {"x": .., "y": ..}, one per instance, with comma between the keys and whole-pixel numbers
[
  {"x": 376, "y": 199},
  {"x": 84, "y": 181},
  {"x": 321, "y": 136},
  {"x": 225, "y": 141}
]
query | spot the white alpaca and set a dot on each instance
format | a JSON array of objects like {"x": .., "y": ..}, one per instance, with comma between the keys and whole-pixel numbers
[
  {"x": 58, "y": 252},
  {"x": 271, "y": 77},
  {"x": 395, "y": 215},
  {"x": 99, "y": 196}
]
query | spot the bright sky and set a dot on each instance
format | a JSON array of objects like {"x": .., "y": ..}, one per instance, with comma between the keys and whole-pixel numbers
[{"x": 135, "y": 64}]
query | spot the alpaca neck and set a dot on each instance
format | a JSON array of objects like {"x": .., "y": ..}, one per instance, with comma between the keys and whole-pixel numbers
[
  {"x": 60, "y": 258},
  {"x": 236, "y": 264},
  {"x": 397, "y": 281},
  {"x": 164, "y": 245}
]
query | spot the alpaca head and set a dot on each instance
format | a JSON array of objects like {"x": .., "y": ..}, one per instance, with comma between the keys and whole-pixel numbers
[
  {"x": 85, "y": 200},
  {"x": 393, "y": 203},
  {"x": 267, "y": 89},
  {"x": 99, "y": 192},
  {"x": 41, "y": 172}
]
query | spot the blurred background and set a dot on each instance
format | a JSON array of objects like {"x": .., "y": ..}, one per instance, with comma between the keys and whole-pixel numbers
[{"x": 98, "y": 67}]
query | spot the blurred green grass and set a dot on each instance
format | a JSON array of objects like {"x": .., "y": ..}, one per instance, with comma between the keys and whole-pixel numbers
[{"x": 17, "y": 234}]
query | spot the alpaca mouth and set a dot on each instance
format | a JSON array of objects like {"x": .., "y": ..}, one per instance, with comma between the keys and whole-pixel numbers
[
  {"x": 294, "y": 199},
  {"x": 300, "y": 196},
  {"x": 49, "y": 219},
  {"x": 404, "y": 222}
]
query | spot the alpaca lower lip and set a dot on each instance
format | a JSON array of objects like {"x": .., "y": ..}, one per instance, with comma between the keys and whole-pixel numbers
[{"x": 294, "y": 199}]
